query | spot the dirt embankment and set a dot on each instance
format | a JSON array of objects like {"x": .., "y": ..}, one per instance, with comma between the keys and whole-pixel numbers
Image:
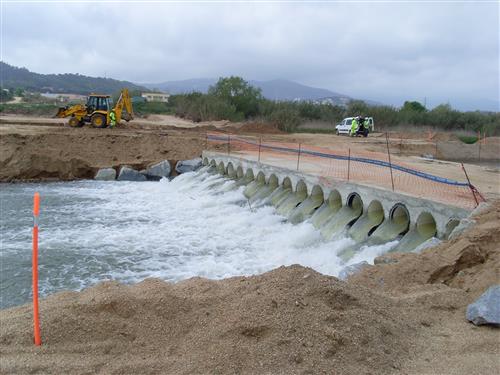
[
  {"x": 290, "y": 320},
  {"x": 57, "y": 152},
  {"x": 406, "y": 316}
]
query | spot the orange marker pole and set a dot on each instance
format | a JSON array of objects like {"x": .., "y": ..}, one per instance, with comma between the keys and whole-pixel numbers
[{"x": 36, "y": 320}]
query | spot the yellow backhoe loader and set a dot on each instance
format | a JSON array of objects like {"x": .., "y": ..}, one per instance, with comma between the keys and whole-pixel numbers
[{"x": 97, "y": 111}]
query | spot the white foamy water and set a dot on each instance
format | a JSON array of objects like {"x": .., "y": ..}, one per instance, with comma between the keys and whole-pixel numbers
[{"x": 194, "y": 225}]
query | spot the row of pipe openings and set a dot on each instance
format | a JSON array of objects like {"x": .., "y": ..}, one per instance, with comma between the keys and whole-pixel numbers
[{"x": 366, "y": 225}]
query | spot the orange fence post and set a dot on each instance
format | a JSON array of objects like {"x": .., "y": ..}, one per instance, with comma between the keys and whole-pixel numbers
[{"x": 36, "y": 320}]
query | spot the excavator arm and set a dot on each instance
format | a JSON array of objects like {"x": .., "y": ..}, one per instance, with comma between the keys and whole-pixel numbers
[{"x": 124, "y": 102}]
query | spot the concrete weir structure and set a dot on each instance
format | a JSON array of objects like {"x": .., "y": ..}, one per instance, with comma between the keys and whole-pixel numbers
[{"x": 369, "y": 215}]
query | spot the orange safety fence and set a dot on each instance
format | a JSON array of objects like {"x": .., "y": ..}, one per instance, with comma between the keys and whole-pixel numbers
[{"x": 367, "y": 168}]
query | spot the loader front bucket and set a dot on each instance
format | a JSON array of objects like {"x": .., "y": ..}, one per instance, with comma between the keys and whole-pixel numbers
[{"x": 60, "y": 112}]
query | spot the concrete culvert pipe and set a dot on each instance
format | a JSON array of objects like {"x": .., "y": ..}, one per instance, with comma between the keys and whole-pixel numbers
[
  {"x": 425, "y": 228},
  {"x": 293, "y": 199},
  {"x": 212, "y": 167},
  {"x": 239, "y": 172},
  {"x": 345, "y": 216},
  {"x": 281, "y": 193},
  {"x": 328, "y": 209},
  {"x": 426, "y": 225},
  {"x": 254, "y": 186},
  {"x": 221, "y": 168},
  {"x": 368, "y": 222},
  {"x": 247, "y": 178},
  {"x": 397, "y": 223},
  {"x": 231, "y": 172},
  {"x": 305, "y": 209},
  {"x": 266, "y": 190}
]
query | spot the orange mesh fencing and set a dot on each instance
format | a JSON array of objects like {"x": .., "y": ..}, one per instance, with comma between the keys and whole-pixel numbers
[{"x": 366, "y": 168}]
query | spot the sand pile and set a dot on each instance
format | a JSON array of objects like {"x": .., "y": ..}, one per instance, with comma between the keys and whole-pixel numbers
[{"x": 290, "y": 320}]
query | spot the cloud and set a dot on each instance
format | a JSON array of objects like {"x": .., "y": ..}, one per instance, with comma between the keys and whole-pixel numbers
[{"x": 383, "y": 51}]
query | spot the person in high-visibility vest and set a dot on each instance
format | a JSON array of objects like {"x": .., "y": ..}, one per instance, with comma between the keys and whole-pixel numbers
[
  {"x": 367, "y": 124},
  {"x": 354, "y": 126},
  {"x": 112, "y": 119}
]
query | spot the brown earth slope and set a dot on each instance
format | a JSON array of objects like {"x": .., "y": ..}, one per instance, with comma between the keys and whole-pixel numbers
[{"x": 55, "y": 152}]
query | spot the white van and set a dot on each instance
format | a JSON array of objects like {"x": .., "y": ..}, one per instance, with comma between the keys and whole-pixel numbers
[{"x": 345, "y": 126}]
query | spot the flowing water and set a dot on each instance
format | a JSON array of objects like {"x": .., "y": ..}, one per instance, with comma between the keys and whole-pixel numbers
[{"x": 194, "y": 225}]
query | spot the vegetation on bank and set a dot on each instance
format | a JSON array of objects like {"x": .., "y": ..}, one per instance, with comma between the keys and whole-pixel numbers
[
  {"x": 30, "y": 109},
  {"x": 233, "y": 99}
]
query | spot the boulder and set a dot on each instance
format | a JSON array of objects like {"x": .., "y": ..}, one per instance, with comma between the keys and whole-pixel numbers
[
  {"x": 184, "y": 166},
  {"x": 157, "y": 171},
  {"x": 129, "y": 174},
  {"x": 352, "y": 269},
  {"x": 486, "y": 309},
  {"x": 105, "y": 174}
]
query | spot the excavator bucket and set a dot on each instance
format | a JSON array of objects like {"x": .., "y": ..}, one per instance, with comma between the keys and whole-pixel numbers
[{"x": 61, "y": 112}]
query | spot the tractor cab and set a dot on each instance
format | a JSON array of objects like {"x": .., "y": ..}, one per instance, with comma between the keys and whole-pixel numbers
[{"x": 98, "y": 103}]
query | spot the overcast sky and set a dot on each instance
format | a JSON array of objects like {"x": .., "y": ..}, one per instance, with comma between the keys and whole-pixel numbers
[{"x": 388, "y": 52}]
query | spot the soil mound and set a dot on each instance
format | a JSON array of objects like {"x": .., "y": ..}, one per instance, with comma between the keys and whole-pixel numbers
[
  {"x": 287, "y": 321},
  {"x": 260, "y": 128}
]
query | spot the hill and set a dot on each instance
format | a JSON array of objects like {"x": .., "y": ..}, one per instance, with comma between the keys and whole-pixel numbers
[
  {"x": 276, "y": 89},
  {"x": 13, "y": 77}
]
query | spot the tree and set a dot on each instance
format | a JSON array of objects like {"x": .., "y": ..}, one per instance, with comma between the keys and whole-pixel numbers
[
  {"x": 237, "y": 92},
  {"x": 413, "y": 106},
  {"x": 357, "y": 108},
  {"x": 5, "y": 95}
]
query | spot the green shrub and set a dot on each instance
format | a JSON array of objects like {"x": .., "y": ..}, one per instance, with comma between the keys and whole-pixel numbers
[
  {"x": 32, "y": 109},
  {"x": 469, "y": 139},
  {"x": 157, "y": 108},
  {"x": 285, "y": 119}
]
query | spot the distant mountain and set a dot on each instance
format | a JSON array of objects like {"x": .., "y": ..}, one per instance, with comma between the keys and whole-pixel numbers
[
  {"x": 13, "y": 77},
  {"x": 182, "y": 87},
  {"x": 276, "y": 89}
]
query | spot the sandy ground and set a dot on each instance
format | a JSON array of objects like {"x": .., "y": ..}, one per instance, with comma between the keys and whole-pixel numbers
[{"x": 405, "y": 315}]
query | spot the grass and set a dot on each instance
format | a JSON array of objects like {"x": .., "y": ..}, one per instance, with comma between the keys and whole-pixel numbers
[{"x": 469, "y": 139}]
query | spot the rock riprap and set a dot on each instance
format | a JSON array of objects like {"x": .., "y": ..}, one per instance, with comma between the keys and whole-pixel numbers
[
  {"x": 105, "y": 174},
  {"x": 486, "y": 309},
  {"x": 191, "y": 165},
  {"x": 158, "y": 171},
  {"x": 129, "y": 174}
]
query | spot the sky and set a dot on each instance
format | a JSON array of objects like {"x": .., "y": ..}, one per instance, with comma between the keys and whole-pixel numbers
[{"x": 438, "y": 52}]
